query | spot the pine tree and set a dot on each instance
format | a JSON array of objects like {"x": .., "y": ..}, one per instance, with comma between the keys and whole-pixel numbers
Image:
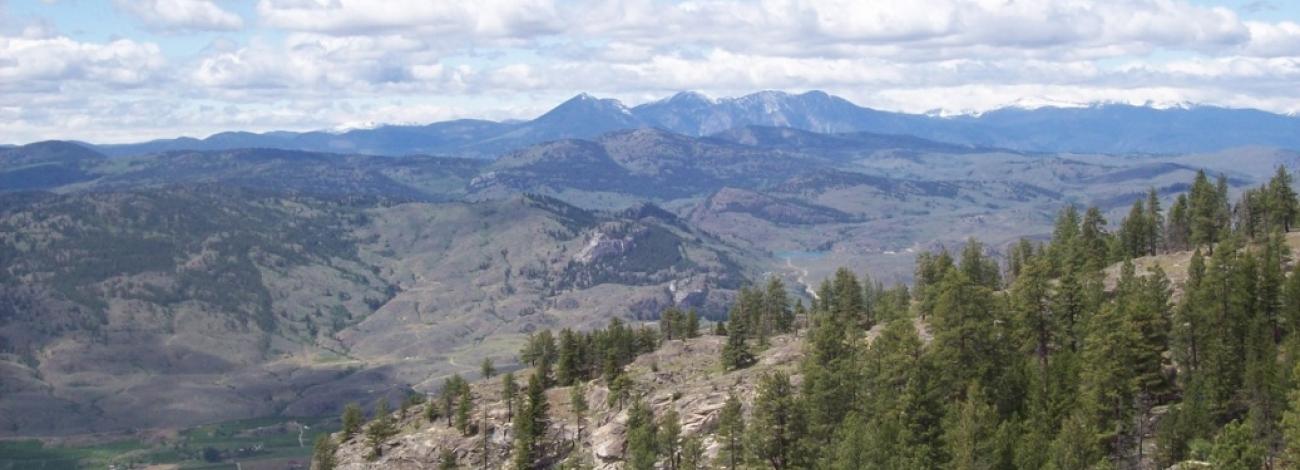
[
  {"x": 642, "y": 437},
  {"x": 352, "y": 421},
  {"x": 1075, "y": 447},
  {"x": 1236, "y": 449},
  {"x": 829, "y": 373},
  {"x": 1063, "y": 251},
  {"x": 1203, "y": 212},
  {"x": 530, "y": 424},
  {"x": 670, "y": 439},
  {"x": 735, "y": 353},
  {"x": 965, "y": 338},
  {"x": 578, "y": 403},
  {"x": 1133, "y": 231},
  {"x": 692, "y": 454},
  {"x": 692, "y": 324},
  {"x": 1031, "y": 301},
  {"x": 1106, "y": 381},
  {"x": 1291, "y": 428},
  {"x": 1147, "y": 308},
  {"x": 568, "y": 367},
  {"x": 620, "y": 390},
  {"x": 380, "y": 429},
  {"x": 464, "y": 410},
  {"x": 451, "y": 393},
  {"x": 777, "y": 427},
  {"x": 1282, "y": 198},
  {"x": 777, "y": 307},
  {"x": 1178, "y": 227},
  {"x": 731, "y": 434},
  {"x": 670, "y": 322},
  {"x": 509, "y": 392},
  {"x": 487, "y": 369},
  {"x": 323, "y": 453},
  {"x": 447, "y": 460},
  {"x": 1091, "y": 255},
  {"x": 968, "y": 431},
  {"x": 1154, "y": 223}
]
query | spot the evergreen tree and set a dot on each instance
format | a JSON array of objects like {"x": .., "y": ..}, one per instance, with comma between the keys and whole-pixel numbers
[
  {"x": 380, "y": 429},
  {"x": 509, "y": 392},
  {"x": 431, "y": 409},
  {"x": 692, "y": 324},
  {"x": 1091, "y": 255},
  {"x": 464, "y": 409},
  {"x": 1203, "y": 212},
  {"x": 578, "y": 403},
  {"x": 1291, "y": 428},
  {"x": 487, "y": 369},
  {"x": 642, "y": 437},
  {"x": 1031, "y": 301},
  {"x": 777, "y": 307},
  {"x": 735, "y": 354},
  {"x": 1134, "y": 236},
  {"x": 1282, "y": 201},
  {"x": 1179, "y": 226},
  {"x": 1236, "y": 449},
  {"x": 1106, "y": 381},
  {"x": 777, "y": 428},
  {"x": 968, "y": 432},
  {"x": 1075, "y": 447},
  {"x": 670, "y": 439},
  {"x": 568, "y": 368},
  {"x": 670, "y": 322},
  {"x": 352, "y": 421},
  {"x": 1154, "y": 223},
  {"x": 966, "y": 341},
  {"x": 323, "y": 453},
  {"x": 692, "y": 454},
  {"x": 620, "y": 390},
  {"x": 447, "y": 460},
  {"x": 451, "y": 394},
  {"x": 530, "y": 425},
  {"x": 731, "y": 433}
]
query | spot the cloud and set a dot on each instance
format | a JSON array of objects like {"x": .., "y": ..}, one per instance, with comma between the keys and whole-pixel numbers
[
  {"x": 52, "y": 64},
  {"x": 303, "y": 64},
  {"x": 181, "y": 15},
  {"x": 469, "y": 20}
]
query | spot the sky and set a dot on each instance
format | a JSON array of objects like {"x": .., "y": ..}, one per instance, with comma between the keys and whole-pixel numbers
[{"x": 111, "y": 71}]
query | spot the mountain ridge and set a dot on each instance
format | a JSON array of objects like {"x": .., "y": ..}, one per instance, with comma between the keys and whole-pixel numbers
[{"x": 1095, "y": 128}]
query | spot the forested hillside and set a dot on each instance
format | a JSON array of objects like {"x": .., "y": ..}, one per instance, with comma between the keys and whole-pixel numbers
[{"x": 1065, "y": 357}]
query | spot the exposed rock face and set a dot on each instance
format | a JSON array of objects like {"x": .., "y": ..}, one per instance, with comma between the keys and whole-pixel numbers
[
  {"x": 684, "y": 376},
  {"x": 602, "y": 245}
]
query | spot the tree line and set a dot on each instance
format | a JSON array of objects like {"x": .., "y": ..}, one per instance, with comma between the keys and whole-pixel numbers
[
  {"x": 1046, "y": 361},
  {"x": 1041, "y": 364}
]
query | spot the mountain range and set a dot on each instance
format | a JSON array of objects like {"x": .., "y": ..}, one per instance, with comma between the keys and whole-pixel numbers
[
  {"x": 1102, "y": 128},
  {"x": 253, "y": 282}
]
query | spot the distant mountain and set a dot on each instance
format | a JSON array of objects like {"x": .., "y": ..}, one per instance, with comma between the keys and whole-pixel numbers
[
  {"x": 439, "y": 137},
  {"x": 1118, "y": 128},
  {"x": 1108, "y": 128},
  {"x": 45, "y": 164},
  {"x": 693, "y": 114}
]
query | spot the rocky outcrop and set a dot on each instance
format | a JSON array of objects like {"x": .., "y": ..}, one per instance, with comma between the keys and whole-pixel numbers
[{"x": 684, "y": 376}]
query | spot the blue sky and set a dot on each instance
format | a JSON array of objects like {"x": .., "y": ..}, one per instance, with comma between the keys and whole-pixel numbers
[{"x": 127, "y": 70}]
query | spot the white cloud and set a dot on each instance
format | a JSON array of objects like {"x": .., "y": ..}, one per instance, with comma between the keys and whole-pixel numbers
[
  {"x": 478, "y": 19},
  {"x": 55, "y": 63},
  {"x": 182, "y": 15},
  {"x": 318, "y": 63}
]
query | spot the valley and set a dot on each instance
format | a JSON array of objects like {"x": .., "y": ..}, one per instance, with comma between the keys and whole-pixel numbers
[{"x": 177, "y": 288}]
